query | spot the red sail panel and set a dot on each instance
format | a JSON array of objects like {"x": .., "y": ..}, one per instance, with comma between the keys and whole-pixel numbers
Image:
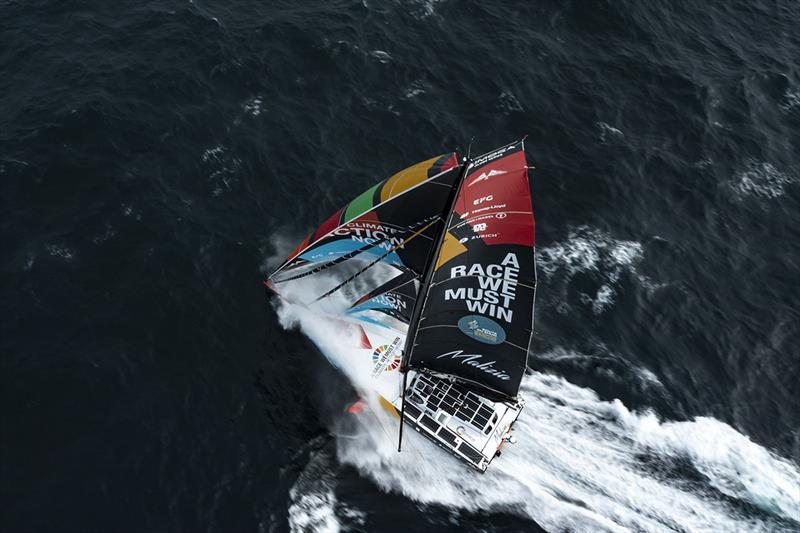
[
  {"x": 495, "y": 201},
  {"x": 329, "y": 225}
]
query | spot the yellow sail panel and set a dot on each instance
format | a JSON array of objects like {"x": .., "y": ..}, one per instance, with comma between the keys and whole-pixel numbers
[
  {"x": 407, "y": 178},
  {"x": 450, "y": 248},
  {"x": 387, "y": 405}
]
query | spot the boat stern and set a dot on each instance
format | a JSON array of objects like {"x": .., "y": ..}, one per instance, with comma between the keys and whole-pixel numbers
[{"x": 469, "y": 426}]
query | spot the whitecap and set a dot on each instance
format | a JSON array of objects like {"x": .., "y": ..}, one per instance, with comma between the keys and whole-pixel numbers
[
  {"x": 313, "y": 502},
  {"x": 424, "y": 8},
  {"x": 508, "y": 102},
  {"x": 381, "y": 56},
  {"x": 603, "y": 299},
  {"x": 224, "y": 169},
  {"x": 791, "y": 100},
  {"x": 761, "y": 179},
  {"x": 588, "y": 249},
  {"x": 608, "y": 132},
  {"x": 415, "y": 89},
  {"x": 252, "y": 106},
  {"x": 60, "y": 251}
]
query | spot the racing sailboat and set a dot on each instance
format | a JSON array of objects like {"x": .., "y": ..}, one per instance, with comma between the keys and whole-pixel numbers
[{"x": 433, "y": 271}]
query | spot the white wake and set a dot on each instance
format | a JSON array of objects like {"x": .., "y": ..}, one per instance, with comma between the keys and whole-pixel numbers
[{"x": 583, "y": 464}]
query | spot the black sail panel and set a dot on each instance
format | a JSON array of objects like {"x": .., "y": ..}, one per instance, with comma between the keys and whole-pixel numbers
[
  {"x": 477, "y": 317},
  {"x": 395, "y": 298}
]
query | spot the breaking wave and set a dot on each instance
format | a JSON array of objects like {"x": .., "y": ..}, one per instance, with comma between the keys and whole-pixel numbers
[
  {"x": 313, "y": 502},
  {"x": 589, "y": 250},
  {"x": 762, "y": 180},
  {"x": 583, "y": 464}
]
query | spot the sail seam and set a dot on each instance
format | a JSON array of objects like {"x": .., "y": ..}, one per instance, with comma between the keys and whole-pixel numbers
[{"x": 425, "y": 289}]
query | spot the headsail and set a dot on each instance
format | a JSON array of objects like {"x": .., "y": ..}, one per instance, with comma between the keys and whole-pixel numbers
[
  {"x": 476, "y": 319},
  {"x": 388, "y": 231}
]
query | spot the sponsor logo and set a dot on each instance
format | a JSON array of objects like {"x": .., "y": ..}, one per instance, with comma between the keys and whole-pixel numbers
[
  {"x": 494, "y": 155},
  {"x": 386, "y": 357},
  {"x": 475, "y": 361},
  {"x": 486, "y": 175},
  {"x": 381, "y": 235},
  {"x": 390, "y": 300},
  {"x": 484, "y": 199},
  {"x": 489, "y": 208},
  {"x": 482, "y": 329}
]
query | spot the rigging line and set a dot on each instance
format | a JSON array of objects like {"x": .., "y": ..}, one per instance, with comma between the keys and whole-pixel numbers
[
  {"x": 402, "y": 411},
  {"x": 409, "y": 280},
  {"x": 425, "y": 282},
  {"x": 372, "y": 264},
  {"x": 410, "y": 274}
]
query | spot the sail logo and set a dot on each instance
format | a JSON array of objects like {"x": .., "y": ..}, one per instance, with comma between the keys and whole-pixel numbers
[
  {"x": 482, "y": 329},
  {"x": 386, "y": 357},
  {"x": 391, "y": 301},
  {"x": 484, "y": 209},
  {"x": 494, "y": 155},
  {"x": 475, "y": 360},
  {"x": 370, "y": 233},
  {"x": 486, "y": 175}
]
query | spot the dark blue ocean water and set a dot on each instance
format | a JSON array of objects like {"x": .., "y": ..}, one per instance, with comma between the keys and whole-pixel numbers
[{"x": 155, "y": 155}]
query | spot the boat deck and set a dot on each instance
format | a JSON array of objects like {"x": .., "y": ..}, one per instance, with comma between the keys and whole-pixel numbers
[{"x": 470, "y": 427}]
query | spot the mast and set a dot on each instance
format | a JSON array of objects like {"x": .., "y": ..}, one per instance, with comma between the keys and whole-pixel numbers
[
  {"x": 427, "y": 274},
  {"x": 496, "y": 237},
  {"x": 423, "y": 290}
]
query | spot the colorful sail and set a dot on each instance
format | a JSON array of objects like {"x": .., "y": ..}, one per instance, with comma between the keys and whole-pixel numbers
[
  {"x": 390, "y": 304},
  {"x": 476, "y": 319},
  {"x": 388, "y": 231}
]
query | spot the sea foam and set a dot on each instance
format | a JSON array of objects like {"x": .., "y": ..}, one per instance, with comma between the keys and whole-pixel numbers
[{"x": 584, "y": 464}]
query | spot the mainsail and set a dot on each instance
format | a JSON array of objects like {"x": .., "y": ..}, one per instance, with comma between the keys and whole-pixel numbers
[{"x": 476, "y": 317}]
